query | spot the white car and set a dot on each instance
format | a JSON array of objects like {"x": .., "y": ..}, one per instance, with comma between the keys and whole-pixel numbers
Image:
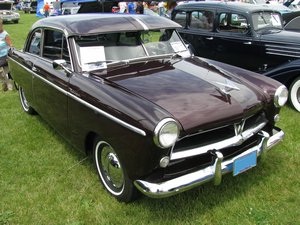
[{"x": 7, "y": 14}]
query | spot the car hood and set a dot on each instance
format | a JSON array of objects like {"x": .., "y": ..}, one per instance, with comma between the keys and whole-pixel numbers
[
  {"x": 196, "y": 93},
  {"x": 281, "y": 36}
]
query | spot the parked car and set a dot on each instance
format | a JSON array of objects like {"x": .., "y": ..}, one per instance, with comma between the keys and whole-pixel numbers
[
  {"x": 125, "y": 89},
  {"x": 291, "y": 21},
  {"x": 7, "y": 14},
  {"x": 30, "y": 7},
  {"x": 245, "y": 35}
]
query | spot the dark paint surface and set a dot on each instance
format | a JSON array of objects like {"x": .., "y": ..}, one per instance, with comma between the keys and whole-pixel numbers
[{"x": 191, "y": 90}]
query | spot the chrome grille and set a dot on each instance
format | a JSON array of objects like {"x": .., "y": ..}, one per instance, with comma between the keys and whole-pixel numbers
[{"x": 220, "y": 138}]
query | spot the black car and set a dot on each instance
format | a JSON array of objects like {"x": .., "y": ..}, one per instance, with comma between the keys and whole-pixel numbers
[
  {"x": 245, "y": 35},
  {"x": 30, "y": 7},
  {"x": 125, "y": 89}
]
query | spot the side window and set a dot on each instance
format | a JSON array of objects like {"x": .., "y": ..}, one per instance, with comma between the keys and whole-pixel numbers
[
  {"x": 35, "y": 43},
  {"x": 180, "y": 18},
  {"x": 53, "y": 44},
  {"x": 202, "y": 20},
  {"x": 234, "y": 23}
]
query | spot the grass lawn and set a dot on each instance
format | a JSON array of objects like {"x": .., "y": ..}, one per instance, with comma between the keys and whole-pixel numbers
[{"x": 43, "y": 180}]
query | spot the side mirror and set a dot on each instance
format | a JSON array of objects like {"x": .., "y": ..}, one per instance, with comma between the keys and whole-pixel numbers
[{"x": 61, "y": 64}]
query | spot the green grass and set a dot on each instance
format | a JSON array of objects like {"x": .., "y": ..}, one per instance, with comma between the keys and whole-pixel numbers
[{"x": 43, "y": 180}]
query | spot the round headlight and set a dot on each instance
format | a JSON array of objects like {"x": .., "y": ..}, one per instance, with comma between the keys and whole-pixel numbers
[
  {"x": 166, "y": 133},
  {"x": 281, "y": 96}
]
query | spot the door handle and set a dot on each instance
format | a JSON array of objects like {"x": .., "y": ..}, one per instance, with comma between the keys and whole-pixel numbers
[
  {"x": 247, "y": 43},
  {"x": 209, "y": 38}
]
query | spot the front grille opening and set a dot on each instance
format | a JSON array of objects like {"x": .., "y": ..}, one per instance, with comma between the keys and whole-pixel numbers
[{"x": 204, "y": 139}]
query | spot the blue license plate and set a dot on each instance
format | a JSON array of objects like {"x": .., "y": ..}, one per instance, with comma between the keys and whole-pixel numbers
[{"x": 244, "y": 163}]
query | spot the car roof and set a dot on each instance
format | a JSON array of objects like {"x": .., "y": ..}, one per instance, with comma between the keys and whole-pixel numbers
[
  {"x": 93, "y": 23},
  {"x": 234, "y": 6}
]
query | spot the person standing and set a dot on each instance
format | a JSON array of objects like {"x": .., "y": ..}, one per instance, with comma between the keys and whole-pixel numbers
[
  {"x": 46, "y": 9},
  {"x": 140, "y": 8},
  {"x": 5, "y": 45},
  {"x": 131, "y": 8}
]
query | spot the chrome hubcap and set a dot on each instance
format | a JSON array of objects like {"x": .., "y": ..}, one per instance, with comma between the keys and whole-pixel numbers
[{"x": 111, "y": 167}]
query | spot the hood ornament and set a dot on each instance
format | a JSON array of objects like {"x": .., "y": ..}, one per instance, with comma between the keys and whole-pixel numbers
[
  {"x": 228, "y": 86},
  {"x": 239, "y": 127}
]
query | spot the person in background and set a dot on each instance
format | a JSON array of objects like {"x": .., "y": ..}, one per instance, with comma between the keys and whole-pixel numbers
[
  {"x": 5, "y": 45},
  {"x": 170, "y": 7},
  {"x": 46, "y": 9},
  {"x": 123, "y": 7},
  {"x": 140, "y": 8},
  {"x": 131, "y": 8}
]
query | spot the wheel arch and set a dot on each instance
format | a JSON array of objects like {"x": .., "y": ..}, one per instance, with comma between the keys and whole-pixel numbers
[{"x": 89, "y": 142}]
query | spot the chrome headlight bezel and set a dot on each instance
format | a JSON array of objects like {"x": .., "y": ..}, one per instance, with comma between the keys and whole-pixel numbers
[
  {"x": 281, "y": 96},
  {"x": 162, "y": 136}
]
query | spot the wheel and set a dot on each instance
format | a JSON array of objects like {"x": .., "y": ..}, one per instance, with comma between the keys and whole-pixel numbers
[
  {"x": 294, "y": 94},
  {"x": 25, "y": 105},
  {"x": 16, "y": 21},
  {"x": 111, "y": 172}
]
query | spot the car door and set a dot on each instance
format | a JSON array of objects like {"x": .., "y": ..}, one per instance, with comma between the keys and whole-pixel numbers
[
  {"x": 197, "y": 30},
  {"x": 51, "y": 86},
  {"x": 234, "y": 42},
  {"x": 24, "y": 64}
]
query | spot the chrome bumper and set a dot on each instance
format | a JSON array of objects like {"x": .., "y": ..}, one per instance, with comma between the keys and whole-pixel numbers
[{"x": 210, "y": 173}]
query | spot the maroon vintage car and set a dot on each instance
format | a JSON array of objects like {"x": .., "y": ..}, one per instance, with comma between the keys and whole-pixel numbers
[{"x": 125, "y": 89}]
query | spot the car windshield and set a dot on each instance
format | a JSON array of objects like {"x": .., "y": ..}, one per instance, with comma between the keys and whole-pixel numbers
[
  {"x": 5, "y": 6},
  {"x": 263, "y": 20},
  {"x": 99, "y": 51}
]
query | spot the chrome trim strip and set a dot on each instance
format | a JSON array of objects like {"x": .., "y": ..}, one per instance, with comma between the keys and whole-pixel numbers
[
  {"x": 274, "y": 53},
  {"x": 115, "y": 119},
  {"x": 233, "y": 141},
  {"x": 285, "y": 47},
  {"x": 141, "y": 23},
  {"x": 38, "y": 76},
  {"x": 194, "y": 179},
  {"x": 282, "y": 50}
]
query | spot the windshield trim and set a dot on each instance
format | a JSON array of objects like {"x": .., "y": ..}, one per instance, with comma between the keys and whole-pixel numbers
[{"x": 110, "y": 62}]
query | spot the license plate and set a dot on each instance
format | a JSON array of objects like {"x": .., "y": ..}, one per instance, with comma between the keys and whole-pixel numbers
[{"x": 244, "y": 163}]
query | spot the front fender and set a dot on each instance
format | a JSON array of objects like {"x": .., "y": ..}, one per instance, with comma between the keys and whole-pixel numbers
[{"x": 285, "y": 73}]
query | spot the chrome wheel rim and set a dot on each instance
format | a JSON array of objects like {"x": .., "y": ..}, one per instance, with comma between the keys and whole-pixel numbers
[{"x": 109, "y": 168}]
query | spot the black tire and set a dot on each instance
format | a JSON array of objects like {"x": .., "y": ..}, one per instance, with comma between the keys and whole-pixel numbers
[
  {"x": 294, "y": 94},
  {"x": 112, "y": 174},
  {"x": 25, "y": 105}
]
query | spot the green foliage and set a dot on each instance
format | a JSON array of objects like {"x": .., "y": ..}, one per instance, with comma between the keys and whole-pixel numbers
[{"x": 43, "y": 180}]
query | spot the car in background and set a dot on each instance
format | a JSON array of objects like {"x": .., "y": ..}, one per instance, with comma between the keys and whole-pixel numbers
[
  {"x": 7, "y": 14},
  {"x": 125, "y": 89},
  {"x": 291, "y": 21},
  {"x": 70, "y": 10},
  {"x": 245, "y": 35},
  {"x": 30, "y": 7}
]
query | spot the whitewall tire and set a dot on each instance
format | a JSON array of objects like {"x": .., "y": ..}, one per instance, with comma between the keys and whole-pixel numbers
[
  {"x": 112, "y": 174},
  {"x": 24, "y": 103},
  {"x": 294, "y": 94}
]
